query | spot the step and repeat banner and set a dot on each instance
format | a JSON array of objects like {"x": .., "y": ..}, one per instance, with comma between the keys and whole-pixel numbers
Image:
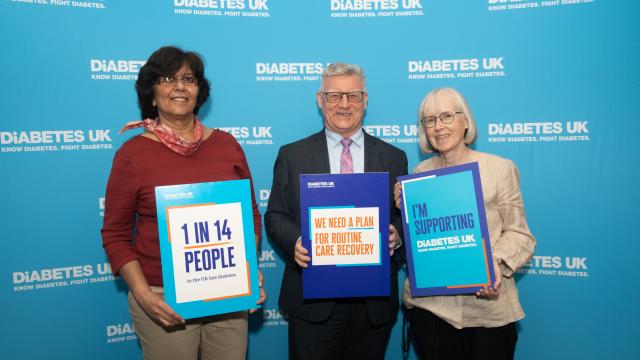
[{"x": 554, "y": 86}]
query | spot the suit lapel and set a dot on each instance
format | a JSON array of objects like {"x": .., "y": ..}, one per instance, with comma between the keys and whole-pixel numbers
[
  {"x": 319, "y": 153},
  {"x": 371, "y": 154}
]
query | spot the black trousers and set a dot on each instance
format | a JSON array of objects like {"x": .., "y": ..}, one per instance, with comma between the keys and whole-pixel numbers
[
  {"x": 347, "y": 334},
  {"x": 434, "y": 338}
]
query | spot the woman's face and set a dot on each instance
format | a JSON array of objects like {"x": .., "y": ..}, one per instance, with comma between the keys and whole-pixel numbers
[
  {"x": 446, "y": 137},
  {"x": 177, "y": 99}
]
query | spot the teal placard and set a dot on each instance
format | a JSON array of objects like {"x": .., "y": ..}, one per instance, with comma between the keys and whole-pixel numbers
[
  {"x": 207, "y": 246},
  {"x": 448, "y": 247}
]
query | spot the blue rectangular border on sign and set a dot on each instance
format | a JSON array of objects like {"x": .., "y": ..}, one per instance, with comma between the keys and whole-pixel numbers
[
  {"x": 451, "y": 194},
  {"x": 222, "y": 192},
  {"x": 345, "y": 190}
]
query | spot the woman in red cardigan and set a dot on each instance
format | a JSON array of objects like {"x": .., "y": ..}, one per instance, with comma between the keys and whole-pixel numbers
[{"x": 175, "y": 148}]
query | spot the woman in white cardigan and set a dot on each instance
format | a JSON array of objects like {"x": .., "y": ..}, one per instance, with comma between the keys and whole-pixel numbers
[{"x": 480, "y": 326}]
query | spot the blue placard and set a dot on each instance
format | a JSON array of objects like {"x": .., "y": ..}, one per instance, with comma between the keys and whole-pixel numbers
[
  {"x": 344, "y": 223},
  {"x": 207, "y": 246},
  {"x": 445, "y": 229}
]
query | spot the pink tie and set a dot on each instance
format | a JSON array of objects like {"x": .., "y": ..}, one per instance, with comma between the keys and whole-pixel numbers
[{"x": 346, "y": 162}]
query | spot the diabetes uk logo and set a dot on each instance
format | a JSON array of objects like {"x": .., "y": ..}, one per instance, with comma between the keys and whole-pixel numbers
[
  {"x": 557, "y": 266},
  {"x": 393, "y": 133},
  {"x": 538, "y": 131},
  {"x": 115, "y": 69},
  {"x": 289, "y": 71},
  {"x": 349, "y": 9},
  {"x": 89, "y": 5},
  {"x": 21, "y": 141},
  {"x": 224, "y": 8},
  {"x": 458, "y": 68},
  {"x": 62, "y": 276},
  {"x": 502, "y": 5},
  {"x": 251, "y": 135}
]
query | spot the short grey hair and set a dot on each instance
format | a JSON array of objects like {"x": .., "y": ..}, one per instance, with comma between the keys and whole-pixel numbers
[
  {"x": 339, "y": 68},
  {"x": 431, "y": 102}
]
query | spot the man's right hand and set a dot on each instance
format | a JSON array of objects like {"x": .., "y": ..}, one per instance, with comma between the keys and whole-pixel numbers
[
  {"x": 397, "y": 193},
  {"x": 301, "y": 258}
]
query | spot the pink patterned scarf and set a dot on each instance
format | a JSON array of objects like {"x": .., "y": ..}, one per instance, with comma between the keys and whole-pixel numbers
[{"x": 168, "y": 136}]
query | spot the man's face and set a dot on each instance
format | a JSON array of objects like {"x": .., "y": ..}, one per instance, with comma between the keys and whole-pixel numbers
[{"x": 343, "y": 117}]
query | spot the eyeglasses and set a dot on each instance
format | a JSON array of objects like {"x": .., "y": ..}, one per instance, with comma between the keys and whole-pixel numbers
[
  {"x": 446, "y": 117},
  {"x": 187, "y": 80},
  {"x": 336, "y": 96}
]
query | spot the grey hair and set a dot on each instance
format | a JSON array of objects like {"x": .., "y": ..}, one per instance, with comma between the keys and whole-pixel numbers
[
  {"x": 432, "y": 102},
  {"x": 339, "y": 68}
]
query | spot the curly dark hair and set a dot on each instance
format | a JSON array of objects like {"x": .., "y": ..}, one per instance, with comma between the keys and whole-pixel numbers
[{"x": 166, "y": 61}]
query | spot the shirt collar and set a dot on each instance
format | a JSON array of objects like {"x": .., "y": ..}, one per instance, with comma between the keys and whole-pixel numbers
[{"x": 333, "y": 138}]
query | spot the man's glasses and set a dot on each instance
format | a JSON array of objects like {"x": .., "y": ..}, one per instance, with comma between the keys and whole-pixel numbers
[{"x": 336, "y": 96}]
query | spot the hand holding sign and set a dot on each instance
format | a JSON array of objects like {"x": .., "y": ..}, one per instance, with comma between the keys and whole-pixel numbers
[
  {"x": 301, "y": 255},
  {"x": 394, "y": 239}
]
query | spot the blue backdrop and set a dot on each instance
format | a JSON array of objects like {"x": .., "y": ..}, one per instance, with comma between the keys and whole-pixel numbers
[{"x": 554, "y": 86}]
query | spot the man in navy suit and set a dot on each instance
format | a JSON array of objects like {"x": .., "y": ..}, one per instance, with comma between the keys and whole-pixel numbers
[{"x": 334, "y": 328}]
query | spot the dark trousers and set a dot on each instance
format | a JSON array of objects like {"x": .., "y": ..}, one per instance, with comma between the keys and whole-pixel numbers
[
  {"x": 347, "y": 334},
  {"x": 434, "y": 338}
]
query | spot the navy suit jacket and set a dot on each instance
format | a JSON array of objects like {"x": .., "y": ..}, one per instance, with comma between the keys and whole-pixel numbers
[{"x": 282, "y": 220}]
